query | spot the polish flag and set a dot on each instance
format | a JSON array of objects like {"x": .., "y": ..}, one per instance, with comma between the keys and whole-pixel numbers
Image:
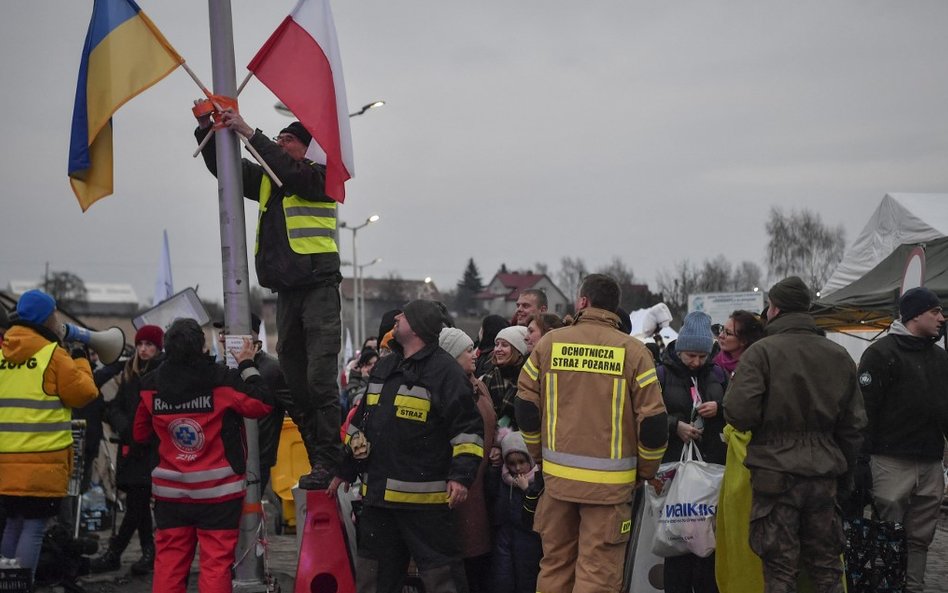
[{"x": 300, "y": 64}]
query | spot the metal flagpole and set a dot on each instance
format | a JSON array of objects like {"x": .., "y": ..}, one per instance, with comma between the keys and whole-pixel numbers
[{"x": 249, "y": 564}]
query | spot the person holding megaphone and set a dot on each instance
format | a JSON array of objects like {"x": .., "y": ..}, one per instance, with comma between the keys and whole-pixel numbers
[{"x": 39, "y": 383}]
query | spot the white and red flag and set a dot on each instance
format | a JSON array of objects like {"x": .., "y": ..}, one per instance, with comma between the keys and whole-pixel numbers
[{"x": 300, "y": 64}]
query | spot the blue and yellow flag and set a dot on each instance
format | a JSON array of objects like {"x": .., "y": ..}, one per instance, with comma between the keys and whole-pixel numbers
[{"x": 124, "y": 54}]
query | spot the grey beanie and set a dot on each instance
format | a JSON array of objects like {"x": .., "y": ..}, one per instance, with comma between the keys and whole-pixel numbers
[
  {"x": 695, "y": 334},
  {"x": 454, "y": 341},
  {"x": 516, "y": 336}
]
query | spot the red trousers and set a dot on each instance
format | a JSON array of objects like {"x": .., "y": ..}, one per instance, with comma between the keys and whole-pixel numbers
[{"x": 180, "y": 527}]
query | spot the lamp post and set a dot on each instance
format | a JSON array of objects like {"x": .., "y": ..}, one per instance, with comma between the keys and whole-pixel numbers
[
  {"x": 356, "y": 288},
  {"x": 362, "y": 295},
  {"x": 284, "y": 110}
]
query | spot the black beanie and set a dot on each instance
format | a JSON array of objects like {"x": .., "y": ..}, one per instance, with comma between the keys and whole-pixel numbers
[
  {"x": 790, "y": 295},
  {"x": 916, "y": 301},
  {"x": 426, "y": 319},
  {"x": 490, "y": 326},
  {"x": 297, "y": 129}
]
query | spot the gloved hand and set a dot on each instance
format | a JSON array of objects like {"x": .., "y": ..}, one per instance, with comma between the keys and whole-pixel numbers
[
  {"x": 79, "y": 350},
  {"x": 862, "y": 475},
  {"x": 854, "y": 490}
]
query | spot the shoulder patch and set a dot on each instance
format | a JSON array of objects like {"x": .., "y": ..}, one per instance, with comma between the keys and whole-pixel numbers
[{"x": 865, "y": 379}]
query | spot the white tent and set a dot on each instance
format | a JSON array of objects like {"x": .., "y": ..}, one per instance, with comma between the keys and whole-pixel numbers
[{"x": 900, "y": 218}]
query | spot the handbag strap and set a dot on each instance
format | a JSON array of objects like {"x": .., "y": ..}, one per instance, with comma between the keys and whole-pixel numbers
[{"x": 690, "y": 452}]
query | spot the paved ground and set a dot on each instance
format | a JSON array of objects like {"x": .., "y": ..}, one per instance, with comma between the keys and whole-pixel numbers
[{"x": 283, "y": 567}]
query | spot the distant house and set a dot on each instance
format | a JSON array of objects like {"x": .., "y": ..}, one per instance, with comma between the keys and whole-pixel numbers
[
  {"x": 501, "y": 293},
  {"x": 381, "y": 295}
]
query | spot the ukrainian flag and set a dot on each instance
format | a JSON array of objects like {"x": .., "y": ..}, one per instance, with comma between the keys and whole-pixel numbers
[{"x": 124, "y": 54}]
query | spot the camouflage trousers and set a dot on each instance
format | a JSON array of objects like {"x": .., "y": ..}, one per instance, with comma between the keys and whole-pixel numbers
[{"x": 793, "y": 520}]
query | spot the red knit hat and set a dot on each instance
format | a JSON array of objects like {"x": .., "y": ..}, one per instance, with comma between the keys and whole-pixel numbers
[{"x": 150, "y": 333}]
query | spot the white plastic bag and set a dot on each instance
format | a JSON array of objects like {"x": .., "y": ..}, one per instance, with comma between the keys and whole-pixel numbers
[{"x": 686, "y": 519}]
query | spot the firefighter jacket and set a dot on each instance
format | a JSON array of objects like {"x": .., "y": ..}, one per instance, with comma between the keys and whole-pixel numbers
[
  {"x": 39, "y": 383},
  {"x": 590, "y": 408},
  {"x": 296, "y": 224},
  {"x": 423, "y": 427},
  {"x": 797, "y": 392},
  {"x": 197, "y": 412}
]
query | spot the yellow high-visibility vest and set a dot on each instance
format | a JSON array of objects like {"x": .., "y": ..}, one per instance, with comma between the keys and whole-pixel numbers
[
  {"x": 30, "y": 419},
  {"x": 310, "y": 226}
]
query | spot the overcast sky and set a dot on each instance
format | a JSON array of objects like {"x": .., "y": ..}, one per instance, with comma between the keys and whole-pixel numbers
[{"x": 514, "y": 131}]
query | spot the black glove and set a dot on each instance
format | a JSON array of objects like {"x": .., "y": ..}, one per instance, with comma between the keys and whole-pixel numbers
[
  {"x": 862, "y": 475},
  {"x": 79, "y": 350},
  {"x": 855, "y": 489}
]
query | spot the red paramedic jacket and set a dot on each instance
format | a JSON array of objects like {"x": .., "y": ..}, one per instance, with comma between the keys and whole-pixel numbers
[{"x": 197, "y": 411}]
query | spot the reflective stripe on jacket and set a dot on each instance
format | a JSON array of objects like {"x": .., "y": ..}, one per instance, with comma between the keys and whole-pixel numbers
[
  {"x": 310, "y": 226},
  {"x": 30, "y": 419},
  {"x": 195, "y": 410},
  {"x": 585, "y": 396},
  {"x": 422, "y": 423}
]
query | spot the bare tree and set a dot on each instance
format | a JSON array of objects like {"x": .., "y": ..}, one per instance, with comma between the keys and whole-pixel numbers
[
  {"x": 571, "y": 274},
  {"x": 67, "y": 288},
  {"x": 713, "y": 275},
  {"x": 635, "y": 294},
  {"x": 746, "y": 276},
  {"x": 801, "y": 245},
  {"x": 676, "y": 285}
]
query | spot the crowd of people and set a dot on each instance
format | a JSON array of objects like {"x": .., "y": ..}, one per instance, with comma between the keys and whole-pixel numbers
[
  {"x": 499, "y": 481},
  {"x": 508, "y": 463}
]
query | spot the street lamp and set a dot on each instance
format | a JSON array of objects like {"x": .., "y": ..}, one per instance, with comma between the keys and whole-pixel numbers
[
  {"x": 282, "y": 109},
  {"x": 362, "y": 293},
  {"x": 356, "y": 285}
]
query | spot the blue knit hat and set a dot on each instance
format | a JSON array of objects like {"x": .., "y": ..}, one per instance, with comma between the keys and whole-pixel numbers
[
  {"x": 695, "y": 334},
  {"x": 35, "y": 306}
]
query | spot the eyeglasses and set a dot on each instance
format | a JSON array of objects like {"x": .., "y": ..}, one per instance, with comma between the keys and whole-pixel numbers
[
  {"x": 726, "y": 333},
  {"x": 285, "y": 138}
]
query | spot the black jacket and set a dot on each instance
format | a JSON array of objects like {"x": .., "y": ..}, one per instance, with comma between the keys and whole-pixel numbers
[
  {"x": 270, "y": 427},
  {"x": 904, "y": 381},
  {"x": 676, "y": 393},
  {"x": 135, "y": 461},
  {"x": 424, "y": 429},
  {"x": 278, "y": 266}
]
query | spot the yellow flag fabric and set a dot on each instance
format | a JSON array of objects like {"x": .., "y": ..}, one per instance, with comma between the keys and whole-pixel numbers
[
  {"x": 737, "y": 568},
  {"x": 124, "y": 54}
]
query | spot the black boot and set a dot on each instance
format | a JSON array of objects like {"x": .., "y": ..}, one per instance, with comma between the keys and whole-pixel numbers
[
  {"x": 318, "y": 478},
  {"x": 145, "y": 564},
  {"x": 110, "y": 560}
]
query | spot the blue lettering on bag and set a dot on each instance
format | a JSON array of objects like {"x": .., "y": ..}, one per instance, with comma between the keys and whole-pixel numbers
[{"x": 689, "y": 509}]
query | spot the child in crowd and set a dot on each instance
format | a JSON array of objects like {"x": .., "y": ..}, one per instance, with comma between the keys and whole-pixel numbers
[{"x": 515, "y": 488}]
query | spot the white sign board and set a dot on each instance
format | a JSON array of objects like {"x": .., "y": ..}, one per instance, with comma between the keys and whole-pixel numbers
[
  {"x": 185, "y": 304},
  {"x": 720, "y": 305}
]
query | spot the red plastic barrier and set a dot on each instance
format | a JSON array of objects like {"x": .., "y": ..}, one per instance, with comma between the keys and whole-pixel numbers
[{"x": 324, "y": 564}]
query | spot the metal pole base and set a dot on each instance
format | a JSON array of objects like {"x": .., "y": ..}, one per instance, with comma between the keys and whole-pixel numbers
[{"x": 252, "y": 587}]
